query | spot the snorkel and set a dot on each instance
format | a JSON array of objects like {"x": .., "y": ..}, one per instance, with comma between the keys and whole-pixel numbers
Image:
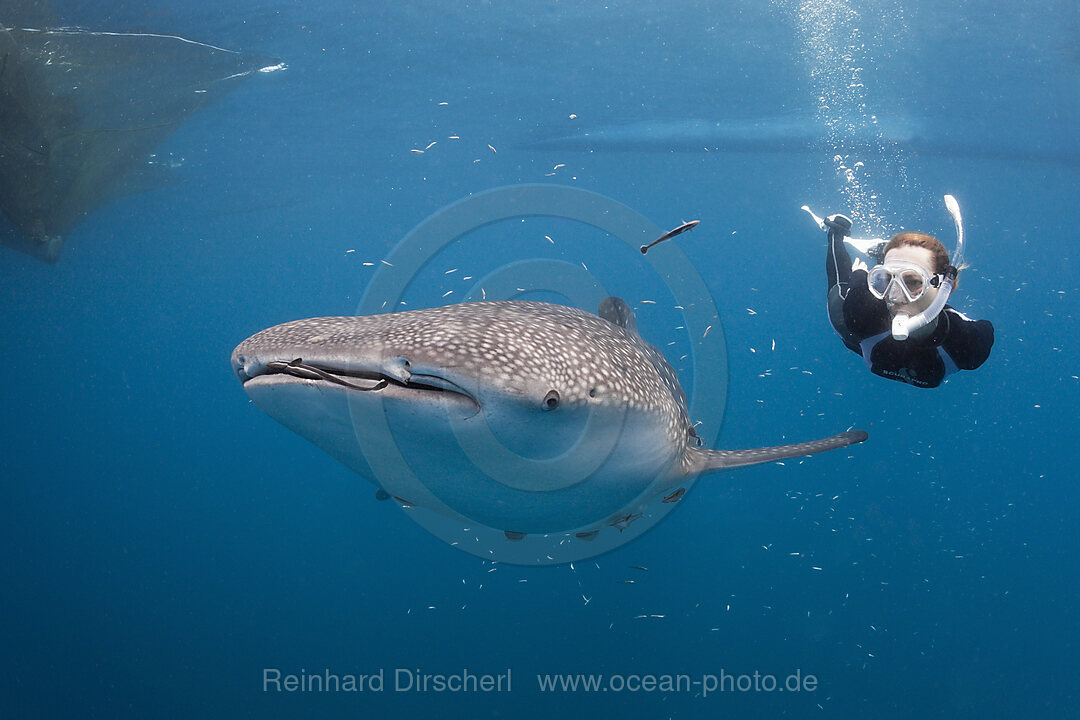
[{"x": 903, "y": 325}]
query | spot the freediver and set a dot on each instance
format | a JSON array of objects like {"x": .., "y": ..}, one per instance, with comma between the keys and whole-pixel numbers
[{"x": 895, "y": 314}]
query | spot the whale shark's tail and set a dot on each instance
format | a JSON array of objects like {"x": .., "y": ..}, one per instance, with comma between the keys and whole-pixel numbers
[{"x": 714, "y": 460}]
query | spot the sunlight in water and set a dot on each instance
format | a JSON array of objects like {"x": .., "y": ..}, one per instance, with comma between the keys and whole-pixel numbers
[{"x": 842, "y": 59}]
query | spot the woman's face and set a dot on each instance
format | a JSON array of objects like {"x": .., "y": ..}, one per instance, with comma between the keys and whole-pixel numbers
[{"x": 895, "y": 298}]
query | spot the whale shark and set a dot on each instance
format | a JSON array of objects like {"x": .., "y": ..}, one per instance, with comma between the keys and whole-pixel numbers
[{"x": 526, "y": 417}]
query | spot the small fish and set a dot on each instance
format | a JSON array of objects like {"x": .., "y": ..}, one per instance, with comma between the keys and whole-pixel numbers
[
  {"x": 626, "y": 582},
  {"x": 670, "y": 234},
  {"x": 624, "y": 522},
  {"x": 675, "y": 496},
  {"x": 639, "y": 567}
]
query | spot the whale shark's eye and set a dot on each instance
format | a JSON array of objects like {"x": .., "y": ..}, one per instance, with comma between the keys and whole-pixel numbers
[{"x": 551, "y": 400}]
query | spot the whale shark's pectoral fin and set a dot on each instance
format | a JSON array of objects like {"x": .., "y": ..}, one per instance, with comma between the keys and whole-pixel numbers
[
  {"x": 617, "y": 312},
  {"x": 709, "y": 460}
]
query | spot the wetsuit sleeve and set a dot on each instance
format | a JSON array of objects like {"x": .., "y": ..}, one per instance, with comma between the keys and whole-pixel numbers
[
  {"x": 968, "y": 341},
  {"x": 864, "y": 314},
  {"x": 838, "y": 262}
]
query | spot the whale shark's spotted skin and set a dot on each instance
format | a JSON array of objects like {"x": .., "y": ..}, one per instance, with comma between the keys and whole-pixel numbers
[
  {"x": 504, "y": 341},
  {"x": 509, "y": 344}
]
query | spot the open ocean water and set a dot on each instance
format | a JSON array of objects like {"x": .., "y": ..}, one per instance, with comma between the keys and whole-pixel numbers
[{"x": 165, "y": 547}]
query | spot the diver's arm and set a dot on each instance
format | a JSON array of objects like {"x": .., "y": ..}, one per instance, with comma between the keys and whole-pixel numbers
[
  {"x": 968, "y": 341},
  {"x": 838, "y": 262}
]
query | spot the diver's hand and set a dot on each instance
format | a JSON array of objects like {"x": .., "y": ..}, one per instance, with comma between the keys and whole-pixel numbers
[
  {"x": 859, "y": 265},
  {"x": 838, "y": 223}
]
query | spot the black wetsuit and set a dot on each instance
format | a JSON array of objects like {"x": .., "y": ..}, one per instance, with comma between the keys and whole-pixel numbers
[{"x": 864, "y": 324}]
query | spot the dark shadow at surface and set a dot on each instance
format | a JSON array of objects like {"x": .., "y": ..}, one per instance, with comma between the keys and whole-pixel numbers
[{"x": 81, "y": 112}]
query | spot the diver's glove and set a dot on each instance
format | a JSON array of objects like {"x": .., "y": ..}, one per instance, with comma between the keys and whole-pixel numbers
[{"x": 839, "y": 224}]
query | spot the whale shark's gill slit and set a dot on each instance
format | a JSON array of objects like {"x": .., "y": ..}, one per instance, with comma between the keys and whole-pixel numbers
[{"x": 297, "y": 368}]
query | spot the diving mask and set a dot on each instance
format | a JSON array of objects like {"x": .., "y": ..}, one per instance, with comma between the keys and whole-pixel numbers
[{"x": 910, "y": 279}]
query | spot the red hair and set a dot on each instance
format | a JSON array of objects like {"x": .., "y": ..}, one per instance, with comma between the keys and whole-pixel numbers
[{"x": 917, "y": 239}]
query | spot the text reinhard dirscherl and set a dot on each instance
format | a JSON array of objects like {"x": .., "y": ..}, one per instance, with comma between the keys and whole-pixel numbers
[
  {"x": 400, "y": 680},
  {"x": 467, "y": 681}
]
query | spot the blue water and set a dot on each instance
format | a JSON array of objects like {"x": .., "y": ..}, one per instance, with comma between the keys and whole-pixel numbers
[{"x": 163, "y": 542}]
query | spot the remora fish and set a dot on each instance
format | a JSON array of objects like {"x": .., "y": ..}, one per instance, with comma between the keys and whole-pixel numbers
[{"x": 526, "y": 416}]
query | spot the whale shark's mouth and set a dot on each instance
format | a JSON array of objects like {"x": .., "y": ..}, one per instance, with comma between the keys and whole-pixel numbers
[{"x": 360, "y": 380}]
